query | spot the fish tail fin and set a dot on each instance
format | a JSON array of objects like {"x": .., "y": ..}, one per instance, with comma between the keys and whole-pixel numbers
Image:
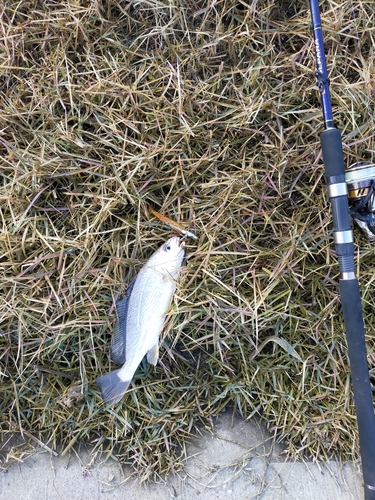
[{"x": 112, "y": 387}]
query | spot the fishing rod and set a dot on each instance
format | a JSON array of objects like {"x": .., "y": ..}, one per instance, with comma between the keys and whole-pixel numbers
[{"x": 359, "y": 185}]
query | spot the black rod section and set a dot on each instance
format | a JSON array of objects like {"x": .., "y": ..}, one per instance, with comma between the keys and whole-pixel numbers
[{"x": 333, "y": 159}]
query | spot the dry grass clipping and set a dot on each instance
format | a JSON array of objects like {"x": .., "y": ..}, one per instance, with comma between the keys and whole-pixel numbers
[{"x": 208, "y": 111}]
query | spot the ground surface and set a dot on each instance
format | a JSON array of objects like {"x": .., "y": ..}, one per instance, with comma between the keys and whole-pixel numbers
[
  {"x": 237, "y": 461},
  {"x": 209, "y": 113}
]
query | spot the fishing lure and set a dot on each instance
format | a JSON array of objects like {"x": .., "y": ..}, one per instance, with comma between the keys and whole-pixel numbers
[{"x": 173, "y": 224}]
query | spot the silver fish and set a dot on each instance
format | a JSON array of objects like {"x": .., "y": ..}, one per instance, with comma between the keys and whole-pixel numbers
[{"x": 140, "y": 317}]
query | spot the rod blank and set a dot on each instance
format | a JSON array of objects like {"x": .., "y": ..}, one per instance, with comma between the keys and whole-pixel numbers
[{"x": 333, "y": 159}]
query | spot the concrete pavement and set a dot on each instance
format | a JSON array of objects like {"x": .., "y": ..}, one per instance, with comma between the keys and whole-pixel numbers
[{"x": 239, "y": 461}]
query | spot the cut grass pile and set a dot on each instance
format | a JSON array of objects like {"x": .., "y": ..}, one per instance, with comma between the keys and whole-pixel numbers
[{"x": 207, "y": 111}]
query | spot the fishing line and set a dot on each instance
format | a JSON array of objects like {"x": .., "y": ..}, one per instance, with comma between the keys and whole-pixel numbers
[
  {"x": 360, "y": 176},
  {"x": 368, "y": 105}
]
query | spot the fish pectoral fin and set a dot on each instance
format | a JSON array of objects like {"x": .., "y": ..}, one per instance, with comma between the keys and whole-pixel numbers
[
  {"x": 153, "y": 354},
  {"x": 112, "y": 387}
]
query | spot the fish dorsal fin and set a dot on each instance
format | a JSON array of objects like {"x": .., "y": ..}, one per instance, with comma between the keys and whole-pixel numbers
[
  {"x": 153, "y": 354},
  {"x": 118, "y": 341}
]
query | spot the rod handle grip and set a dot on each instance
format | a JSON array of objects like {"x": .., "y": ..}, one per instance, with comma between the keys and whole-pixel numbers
[
  {"x": 353, "y": 319},
  {"x": 333, "y": 155}
]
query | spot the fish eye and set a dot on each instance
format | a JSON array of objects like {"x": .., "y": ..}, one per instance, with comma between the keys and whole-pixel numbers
[{"x": 167, "y": 248}]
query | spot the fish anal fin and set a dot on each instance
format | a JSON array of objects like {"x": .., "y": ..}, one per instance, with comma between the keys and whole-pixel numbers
[
  {"x": 112, "y": 387},
  {"x": 153, "y": 354}
]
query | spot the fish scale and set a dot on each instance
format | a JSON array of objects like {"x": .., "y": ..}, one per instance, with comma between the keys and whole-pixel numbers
[{"x": 140, "y": 317}]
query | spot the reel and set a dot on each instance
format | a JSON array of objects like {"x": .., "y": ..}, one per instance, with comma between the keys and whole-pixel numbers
[{"x": 360, "y": 179}]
